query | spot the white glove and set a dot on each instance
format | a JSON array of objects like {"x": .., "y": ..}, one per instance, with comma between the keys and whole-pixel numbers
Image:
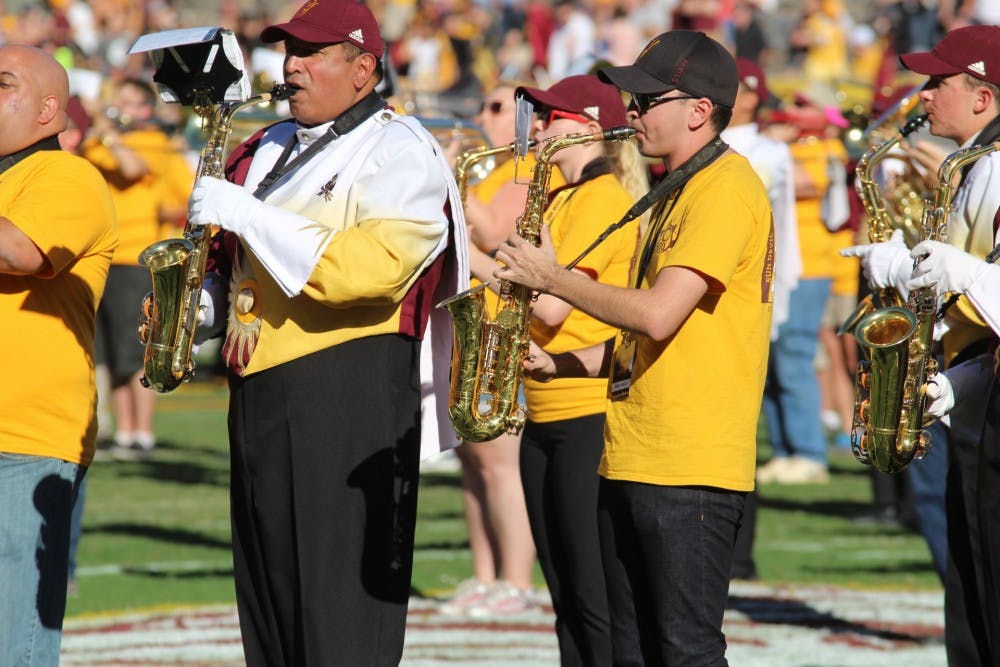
[
  {"x": 215, "y": 201},
  {"x": 939, "y": 396},
  {"x": 945, "y": 266},
  {"x": 885, "y": 264}
]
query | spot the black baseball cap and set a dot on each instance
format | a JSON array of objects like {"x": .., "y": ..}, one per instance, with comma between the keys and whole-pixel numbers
[{"x": 680, "y": 59}]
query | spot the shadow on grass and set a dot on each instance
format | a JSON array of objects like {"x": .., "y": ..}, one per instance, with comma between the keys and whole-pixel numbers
[
  {"x": 445, "y": 479},
  {"x": 220, "y": 453},
  {"x": 837, "y": 508},
  {"x": 170, "y": 535},
  {"x": 174, "y": 471},
  {"x": 779, "y": 611},
  {"x": 197, "y": 573}
]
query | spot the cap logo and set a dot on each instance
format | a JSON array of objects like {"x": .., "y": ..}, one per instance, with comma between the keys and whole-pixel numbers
[
  {"x": 593, "y": 112},
  {"x": 978, "y": 67},
  {"x": 751, "y": 81},
  {"x": 306, "y": 7},
  {"x": 648, "y": 47},
  {"x": 357, "y": 36}
]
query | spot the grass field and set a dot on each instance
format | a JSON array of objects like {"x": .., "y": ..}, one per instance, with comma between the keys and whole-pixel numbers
[{"x": 156, "y": 532}]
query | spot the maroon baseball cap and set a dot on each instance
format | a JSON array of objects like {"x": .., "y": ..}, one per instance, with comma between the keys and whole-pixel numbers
[
  {"x": 680, "y": 59},
  {"x": 752, "y": 76},
  {"x": 582, "y": 94},
  {"x": 973, "y": 50},
  {"x": 330, "y": 21}
]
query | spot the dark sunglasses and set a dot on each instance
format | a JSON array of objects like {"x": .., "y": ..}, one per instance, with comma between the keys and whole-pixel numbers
[
  {"x": 642, "y": 102},
  {"x": 493, "y": 107}
]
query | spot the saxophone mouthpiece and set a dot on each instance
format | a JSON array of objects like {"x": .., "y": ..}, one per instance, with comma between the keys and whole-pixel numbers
[
  {"x": 620, "y": 133},
  {"x": 913, "y": 125},
  {"x": 281, "y": 91}
]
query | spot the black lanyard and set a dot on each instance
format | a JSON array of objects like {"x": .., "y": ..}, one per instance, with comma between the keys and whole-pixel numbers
[
  {"x": 671, "y": 182},
  {"x": 344, "y": 123},
  {"x": 46, "y": 144}
]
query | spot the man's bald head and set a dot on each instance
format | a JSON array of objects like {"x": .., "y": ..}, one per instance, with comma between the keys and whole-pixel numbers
[{"x": 34, "y": 92}]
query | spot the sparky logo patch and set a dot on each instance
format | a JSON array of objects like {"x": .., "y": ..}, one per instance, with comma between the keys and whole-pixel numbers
[
  {"x": 306, "y": 7},
  {"x": 357, "y": 36},
  {"x": 327, "y": 190},
  {"x": 978, "y": 67}
]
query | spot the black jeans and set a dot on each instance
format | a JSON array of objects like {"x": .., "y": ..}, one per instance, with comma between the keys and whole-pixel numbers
[
  {"x": 559, "y": 474},
  {"x": 667, "y": 552}
]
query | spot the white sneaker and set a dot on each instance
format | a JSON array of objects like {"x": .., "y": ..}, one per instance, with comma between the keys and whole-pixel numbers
[
  {"x": 468, "y": 594},
  {"x": 505, "y": 599},
  {"x": 801, "y": 470},
  {"x": 769, "y": 471}
]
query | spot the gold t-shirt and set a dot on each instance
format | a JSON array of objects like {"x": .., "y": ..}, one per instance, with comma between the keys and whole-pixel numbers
[{"x": 691, "y": 415}]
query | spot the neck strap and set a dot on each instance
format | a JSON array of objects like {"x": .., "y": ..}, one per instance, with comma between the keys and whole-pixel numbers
[
  {"x": 671, "y": 182},
  {"x": 345, "y": 122}
]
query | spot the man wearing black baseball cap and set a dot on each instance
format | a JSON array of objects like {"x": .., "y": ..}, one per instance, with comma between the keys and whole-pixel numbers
[
  {"x": 962, "y": 101},
  {"x": 694, "y": 330},
  {"x": 340, "y": 220}
]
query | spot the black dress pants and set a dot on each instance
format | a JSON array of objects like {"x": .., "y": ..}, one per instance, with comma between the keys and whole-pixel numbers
[
  {"x": 325, "y": 467},
  {"x": 559, "y": 474}
]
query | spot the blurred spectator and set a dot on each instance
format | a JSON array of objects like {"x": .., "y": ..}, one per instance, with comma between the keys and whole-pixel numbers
[
  {"x": 572, "y": 47},
  {"x": 150, "y": 181},
  {"x": 749, "y": 41},
  {"x": 515, "y": 58},
  {"x": 821, "y": 39},
  {"x": 619, "y": 38},
  {"x": 791, "y": 394}
]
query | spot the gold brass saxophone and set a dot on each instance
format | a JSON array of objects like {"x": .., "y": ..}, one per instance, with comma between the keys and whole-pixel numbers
[
  {"x": 488, "y": 352},
  {"x": 880, "y": 222},
  {"x": 889, "y": 386},
  {"x": 169, "y": 311},
  {"x": 468, "y": 160}
]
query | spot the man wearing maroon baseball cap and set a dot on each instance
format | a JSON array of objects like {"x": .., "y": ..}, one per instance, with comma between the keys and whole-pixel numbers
[
  {"x": 347, "y": 227},
  {"x": 962, "y": 101},
  {"x": 696, "y": 315}
]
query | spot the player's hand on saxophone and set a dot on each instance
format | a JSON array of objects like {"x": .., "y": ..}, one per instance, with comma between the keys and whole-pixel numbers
[
  {"x": 884, "y": 264},
  {"x": 527, "y": 265},
  {"x": 944, "y": 266},
  {"x": 215, "y": 201}
]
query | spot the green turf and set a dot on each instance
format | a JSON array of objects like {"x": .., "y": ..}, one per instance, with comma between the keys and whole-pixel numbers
[{"x": 157, "y": 532}]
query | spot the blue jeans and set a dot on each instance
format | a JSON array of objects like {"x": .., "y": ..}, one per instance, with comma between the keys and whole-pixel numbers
[
  {"x": 791, "y": 393},
  {"x": 928, "y": 480},
  {"x": 667, "y": 553},
  {"x": 37, "y": 496}
]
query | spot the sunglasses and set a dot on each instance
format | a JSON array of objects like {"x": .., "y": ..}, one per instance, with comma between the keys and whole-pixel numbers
[
  {"x": 642, "y": 102},
  {"x": 556, "y": 114},
  {"x": 493, "y": 107}
]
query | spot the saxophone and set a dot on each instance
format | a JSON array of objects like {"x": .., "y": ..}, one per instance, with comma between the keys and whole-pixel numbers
[
  {"x": 889, "y": 387},
  {"x": 488, "y": 352},
  {"x": 467, "y": 160},
  {"x": 169, "y": 311},
  {"x": 880, "y": 221}
]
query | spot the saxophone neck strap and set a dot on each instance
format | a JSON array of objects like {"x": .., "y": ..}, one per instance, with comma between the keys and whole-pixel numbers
[
  {"x": 666, "y": 186},
  {"x": 345, "y": 122},
  {"x": 46, "y": 144}
]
